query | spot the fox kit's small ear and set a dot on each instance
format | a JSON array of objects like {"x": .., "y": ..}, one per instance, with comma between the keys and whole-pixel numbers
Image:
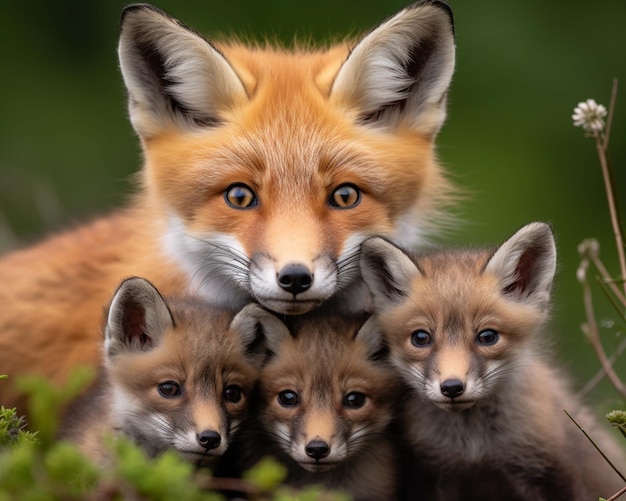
[
  {"x": 174, "y": 77},
  {"x": 260, "y": 331},
  {"x": 372, "y": 338},
  {"x": 137, "y": 318},
  {"x": 387, "y": 271},
  {"x": 400, "y": 72},
  {"x": 525, "y": 265}
]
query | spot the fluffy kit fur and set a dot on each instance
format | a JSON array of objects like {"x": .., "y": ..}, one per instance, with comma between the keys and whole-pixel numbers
[
  {"x": 177, "y": 374},
  {"x": 326, "y": 399},
  {"x": 265, "y": 168},
  {"x": 466, "y": 330}
]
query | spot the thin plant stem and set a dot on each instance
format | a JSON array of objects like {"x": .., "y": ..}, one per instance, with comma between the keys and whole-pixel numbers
[
  {"x": 602, "y": 143},
  {"x": 596, "y": 447},
  {"x": 591, "y": 330},
  {"x": 606, "y": 278},
  {"x": 618, "y": 494},
  {"x": 613, "y": 211},
  {"x": 593, "y": 382}
]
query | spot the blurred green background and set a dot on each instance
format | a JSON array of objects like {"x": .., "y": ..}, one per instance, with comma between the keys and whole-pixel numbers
[{"x": 67, "y": 149}]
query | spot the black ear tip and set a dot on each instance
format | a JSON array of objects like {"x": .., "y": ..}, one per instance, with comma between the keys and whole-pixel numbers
[
  {"x": 371, "y": 244},
  {"x": 443, "y": 6},
  {"x": 135, "y": 7},
  {"x": 134, "y": 283},
  {"x": 367, "y": 245},
  {"x": 543, "y": 231},
  {"x": 440, "y": 4}
]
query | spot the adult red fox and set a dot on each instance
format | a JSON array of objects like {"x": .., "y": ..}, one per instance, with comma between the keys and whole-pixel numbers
[
  {"x": 265, "y": 168},
  {"x": 177, "y": 375},
  {"x": 466, "y": 330}
]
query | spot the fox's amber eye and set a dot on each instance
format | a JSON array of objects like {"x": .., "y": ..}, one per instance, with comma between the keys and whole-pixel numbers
[
  {"x": 170, "y": 389},
  {"x": 421, "y": 338},
  {"x": 354, "y": 400},
  {"x": 232, "y": 393},
  {"x": 240, "y": 196},
  {"x": 487, "y": 337},
  {"x": 345, "y": 196},
  {"x": 288, "y": 398}
]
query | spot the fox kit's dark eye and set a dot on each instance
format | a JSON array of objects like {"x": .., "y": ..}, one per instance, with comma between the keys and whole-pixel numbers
[
  {"x": 421, "y": 338},
  {"x": 354, "y": 400},
  {"x": 170, "y": 389},
  {"x": 345, "y": 196},
  {"x": 240, "y": 196},
  {"x": 288, "y": 398},
  {"x": 487, "y": 337},
  {"x": 232, "y": 393}
]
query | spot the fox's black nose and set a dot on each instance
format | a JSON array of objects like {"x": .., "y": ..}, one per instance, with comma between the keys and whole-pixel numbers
[
  {"x": 295, "y": 278},
  {"x": 317, "y": 449},
  {"x": 209, "y": 439},
  {"x": 452, "y": 388}
]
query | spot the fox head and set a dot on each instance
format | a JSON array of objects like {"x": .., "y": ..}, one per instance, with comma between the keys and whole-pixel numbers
[
  {"x": 180, "y": 372},
  {"x": 267, "y": 168},
  {"x": 327, "y": 391},
  {"x": 460, "y": 323}
]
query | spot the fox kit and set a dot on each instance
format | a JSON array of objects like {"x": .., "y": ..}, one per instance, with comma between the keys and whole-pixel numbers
[
  {"x": 465, "y": 330},
  {"x": 177, "y": 374},
  {"x": 327, "y": 396},
  {"x": 264, "y": 170}
]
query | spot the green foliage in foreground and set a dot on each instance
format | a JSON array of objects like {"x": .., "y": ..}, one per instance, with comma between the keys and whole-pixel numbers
[{"x": 36, "y": 467}]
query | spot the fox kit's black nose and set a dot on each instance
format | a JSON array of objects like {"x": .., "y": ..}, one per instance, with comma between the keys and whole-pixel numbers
[
  {"x": 452, "y": 388},
  {"x": 209, "y": 439},
  {"x": 317, "y": 449},
  {"x": 295, "y": 278}
]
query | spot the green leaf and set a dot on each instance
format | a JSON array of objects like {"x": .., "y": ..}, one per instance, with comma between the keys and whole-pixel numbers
[
  {"x": 65, "y": 464},
  {"x": 267, "y": 474},
  {"x": 47, "y": 400}
]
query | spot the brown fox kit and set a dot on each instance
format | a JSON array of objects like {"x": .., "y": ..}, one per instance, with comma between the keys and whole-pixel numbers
[
  {"x": 177, "y": 374},
  {"x": 327, "y": 396},
  {"x": 265, "y": 168},
  {"x": 465, "y": 329}
]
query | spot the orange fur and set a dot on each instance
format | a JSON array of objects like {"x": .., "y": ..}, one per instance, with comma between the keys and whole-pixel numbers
[
  {"x": 51, "y": 315},
  {"x": 282, "y": 123}
]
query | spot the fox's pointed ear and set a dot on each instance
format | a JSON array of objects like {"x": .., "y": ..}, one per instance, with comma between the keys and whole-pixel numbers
[
  {"x": 525, "y": 265},
  {"x": 137, "y": 318},
  {"x": 260, "y": 331},
  {"x": 372, "y": 338},
  {"x": 174, "y": 77},
  {"x": 387, "y": 271},
  {"x": 400, "y": 72}
]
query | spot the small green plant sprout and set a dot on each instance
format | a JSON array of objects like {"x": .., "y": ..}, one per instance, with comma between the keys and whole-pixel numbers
[
  {"x": 618, "y": 420},
  {"x": 13, "y": 427}
]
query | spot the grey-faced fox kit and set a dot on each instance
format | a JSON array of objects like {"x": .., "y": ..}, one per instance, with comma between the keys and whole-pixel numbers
[
  {"x": 465, "y": 328},
  {"x": 177, "y": 374},
  {"x": 327, "y": 397}
]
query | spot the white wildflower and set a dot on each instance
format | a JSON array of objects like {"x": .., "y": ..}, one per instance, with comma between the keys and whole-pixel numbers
[{"x": 589, "y": 115}]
